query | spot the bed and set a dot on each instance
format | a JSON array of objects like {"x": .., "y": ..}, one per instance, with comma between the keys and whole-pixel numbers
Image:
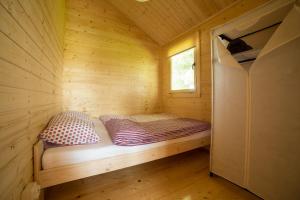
[{"x": 57, "y": 165}]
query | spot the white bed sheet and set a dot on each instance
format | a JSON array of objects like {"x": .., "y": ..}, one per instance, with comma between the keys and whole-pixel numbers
[{"x": 61, "y": 156}]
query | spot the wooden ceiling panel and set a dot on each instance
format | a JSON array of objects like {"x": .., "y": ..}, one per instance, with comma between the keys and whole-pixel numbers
[{"x": 163, "y": 20}]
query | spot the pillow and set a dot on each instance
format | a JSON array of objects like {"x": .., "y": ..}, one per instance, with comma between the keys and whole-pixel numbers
[
  {"x": 79, "y": 115},
  {"x": 69, "y": 130},
  {"x": 152, "y": 117},
  {"x": 70, "y": 114},
  {"x": 106, "y": 118}
]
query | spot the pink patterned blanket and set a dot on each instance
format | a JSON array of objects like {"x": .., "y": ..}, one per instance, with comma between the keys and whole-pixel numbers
[{"x": 126, "y": 132}]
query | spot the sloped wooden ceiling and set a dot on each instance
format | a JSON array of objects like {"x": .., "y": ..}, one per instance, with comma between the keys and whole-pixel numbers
[{"x": 163, "y": 20}]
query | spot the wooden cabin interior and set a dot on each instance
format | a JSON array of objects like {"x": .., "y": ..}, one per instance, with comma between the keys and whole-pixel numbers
[{"x": 149, "y": 99}]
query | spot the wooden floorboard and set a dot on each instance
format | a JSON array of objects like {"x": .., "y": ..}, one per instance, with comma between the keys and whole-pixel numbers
[{"x": 182, "y": 177}]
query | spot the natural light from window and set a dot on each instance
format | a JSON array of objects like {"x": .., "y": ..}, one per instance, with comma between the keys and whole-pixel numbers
[{"x": 183, "y": 71}]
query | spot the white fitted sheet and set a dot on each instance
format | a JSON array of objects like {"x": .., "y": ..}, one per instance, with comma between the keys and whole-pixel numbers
[{"x": 67, "y": 155}]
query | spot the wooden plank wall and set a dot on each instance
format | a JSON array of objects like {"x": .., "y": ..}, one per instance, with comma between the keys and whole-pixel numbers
[
  {"x": 31, "y": 57},
  {"x": 199, "y": 107},
  {"x": 110, "y": 65}
]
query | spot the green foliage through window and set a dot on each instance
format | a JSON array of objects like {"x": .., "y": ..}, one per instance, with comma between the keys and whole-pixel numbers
[{"x": 182, "y": 70}]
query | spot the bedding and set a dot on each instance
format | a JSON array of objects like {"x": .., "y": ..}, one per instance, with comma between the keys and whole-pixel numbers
[
  {"x": 126, "y": 132},
  {"x": 69, "y": 128},
  {"x": 139, "y": 117},
  {"x": 71, "y": 114},
  {"x": 68, "y": 155},
  {"x": 152, "y": 117},
  {"x": 106, "y": 118}
]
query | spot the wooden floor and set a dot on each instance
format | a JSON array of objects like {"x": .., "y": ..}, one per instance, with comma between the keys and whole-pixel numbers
[{"x": 183, "y": 177}]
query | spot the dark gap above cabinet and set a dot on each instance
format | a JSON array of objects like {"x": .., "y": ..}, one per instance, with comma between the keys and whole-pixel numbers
[
  {"x": 247, "y": 60},
  {"x": 237, "y": 45}
]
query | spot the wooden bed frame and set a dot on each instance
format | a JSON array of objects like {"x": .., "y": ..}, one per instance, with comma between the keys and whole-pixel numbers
[{"x": 54, "y": 176}]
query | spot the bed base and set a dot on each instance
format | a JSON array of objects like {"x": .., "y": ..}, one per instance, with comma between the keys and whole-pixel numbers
[{"x": 54, "y": 176}]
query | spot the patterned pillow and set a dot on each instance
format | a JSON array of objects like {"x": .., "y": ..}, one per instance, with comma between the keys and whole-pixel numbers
[
  {"x": 70, "y": 114},
  {"x": 79, "y": 115},
  {"x": 68, "y": 130}
]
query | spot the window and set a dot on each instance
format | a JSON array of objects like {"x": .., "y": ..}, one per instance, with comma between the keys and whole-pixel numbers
[{"x": 183, "y": 71}]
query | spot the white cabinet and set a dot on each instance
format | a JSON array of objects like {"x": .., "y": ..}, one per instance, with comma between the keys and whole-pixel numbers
[{"x": 256, "y": 103}]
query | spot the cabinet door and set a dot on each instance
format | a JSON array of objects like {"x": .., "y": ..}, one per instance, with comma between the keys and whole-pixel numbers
[
  {"x": 229, "y": 119},
  {"x": 274, "y": 171},
  {"x": 275, "y": 124}
]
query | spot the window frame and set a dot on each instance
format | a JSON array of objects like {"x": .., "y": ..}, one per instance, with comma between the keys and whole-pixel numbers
[{"x": 195, "y": 72}]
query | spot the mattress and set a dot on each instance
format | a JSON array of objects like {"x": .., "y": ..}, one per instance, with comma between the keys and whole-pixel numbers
[{"x": 67, "y": 155}]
